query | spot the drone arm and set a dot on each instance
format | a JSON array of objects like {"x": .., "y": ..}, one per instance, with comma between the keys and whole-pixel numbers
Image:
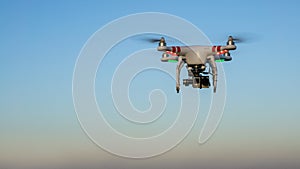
[
  {"x": 180, "y": 64},
  {"x": 228, "y": 47},
  {"x": 213, "y": 66},
  {"x": 166, "y": 59},
  {"x": 163, "y": 48}
]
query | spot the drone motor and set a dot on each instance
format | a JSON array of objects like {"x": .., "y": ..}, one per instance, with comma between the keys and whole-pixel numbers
[{"x": 162, "y": 42}]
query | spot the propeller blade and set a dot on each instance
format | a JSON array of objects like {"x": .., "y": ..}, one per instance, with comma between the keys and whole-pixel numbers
[
  {"x": 244, "y": 38},
  {"x": 238, "y": 40},
  {"x": 152, "y": 40}
]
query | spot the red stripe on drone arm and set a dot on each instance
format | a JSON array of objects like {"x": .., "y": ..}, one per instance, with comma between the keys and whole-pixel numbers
[
  {"x": 218, "y": 48},
  {"x": 213, "y": 49},
  {"x": 178, "y": 49},
  {"x": 173, "y": 49}
]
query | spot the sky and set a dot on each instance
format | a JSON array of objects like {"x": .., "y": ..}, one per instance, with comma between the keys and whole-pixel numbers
[{"x": 41, "y": 41}]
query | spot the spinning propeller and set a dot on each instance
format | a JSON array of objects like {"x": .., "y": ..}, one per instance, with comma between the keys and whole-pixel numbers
[
  {"x": 152, "y": 40},
  {"x": 245, "y": 37}
]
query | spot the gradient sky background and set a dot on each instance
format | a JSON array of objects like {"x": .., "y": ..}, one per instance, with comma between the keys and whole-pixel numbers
[{"x": 40, "y": 42}]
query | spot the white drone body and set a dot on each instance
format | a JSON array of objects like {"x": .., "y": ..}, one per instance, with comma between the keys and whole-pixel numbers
[{"x": 196, "y": 59}]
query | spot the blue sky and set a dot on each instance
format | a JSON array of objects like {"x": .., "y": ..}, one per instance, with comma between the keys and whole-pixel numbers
[{"x": 40, "y": 42}]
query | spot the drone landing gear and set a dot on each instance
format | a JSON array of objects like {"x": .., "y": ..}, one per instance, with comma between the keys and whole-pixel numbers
[{"x": 177, "y": 89}]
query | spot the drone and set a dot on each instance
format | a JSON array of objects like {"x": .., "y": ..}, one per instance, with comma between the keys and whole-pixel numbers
[{"x": 196, "y": 59}]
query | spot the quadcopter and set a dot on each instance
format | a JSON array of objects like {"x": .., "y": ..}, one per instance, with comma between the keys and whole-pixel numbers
[{"x": 196, "y": 59}]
